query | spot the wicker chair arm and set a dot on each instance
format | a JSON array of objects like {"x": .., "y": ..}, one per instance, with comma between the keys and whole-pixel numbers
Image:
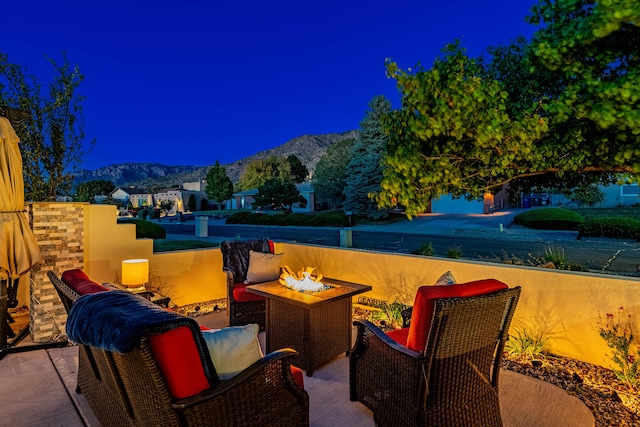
[
  {"x": 228, "y": 386},
  {"x": 365, "y": 326}
]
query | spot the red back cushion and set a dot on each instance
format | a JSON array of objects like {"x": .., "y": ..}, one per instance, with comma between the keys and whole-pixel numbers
[
  {"x": 423, "y": 305},
  {"x": 179, "y": 361},
  {"x": 80, "y": 282}
]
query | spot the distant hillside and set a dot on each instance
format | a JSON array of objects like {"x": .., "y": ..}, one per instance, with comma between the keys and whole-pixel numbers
[{"x": 308, "y": 148}]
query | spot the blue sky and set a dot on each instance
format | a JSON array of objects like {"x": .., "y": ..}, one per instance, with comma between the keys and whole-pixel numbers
[{"x": 192, "y": 82}]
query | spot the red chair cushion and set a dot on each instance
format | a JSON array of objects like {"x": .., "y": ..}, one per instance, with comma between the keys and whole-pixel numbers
[
  {"x": 297, "y": 376},
  {"x": 424, "y": 305},
  {"x": 179, "y": 360},
  {"x": 399, "y": 335},
  {"x": 240, "y": 294},
  {"x": 78, "y": 281}
]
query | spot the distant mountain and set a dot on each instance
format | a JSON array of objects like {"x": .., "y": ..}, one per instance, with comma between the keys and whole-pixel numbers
[{"x": 308, "y": 148}]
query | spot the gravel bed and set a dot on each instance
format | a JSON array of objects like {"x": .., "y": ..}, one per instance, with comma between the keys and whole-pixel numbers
[{"x": 597, "y": 387}]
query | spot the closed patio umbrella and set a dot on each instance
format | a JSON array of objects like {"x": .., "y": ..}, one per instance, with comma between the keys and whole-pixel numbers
[{"x": 19, "y": 250}]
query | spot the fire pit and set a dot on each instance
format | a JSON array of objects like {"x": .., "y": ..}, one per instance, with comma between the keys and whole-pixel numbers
[{"x": 302, "y": 281}]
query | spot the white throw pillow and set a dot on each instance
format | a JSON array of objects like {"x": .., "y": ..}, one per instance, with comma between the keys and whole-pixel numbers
[
  {"x": 263, "y": 267},
  {"x": 233, "y": 349},
  {"x": 446, "y": 279}
]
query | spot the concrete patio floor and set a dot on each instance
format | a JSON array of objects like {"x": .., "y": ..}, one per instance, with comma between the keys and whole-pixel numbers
[{"x": 38, "y": 389}]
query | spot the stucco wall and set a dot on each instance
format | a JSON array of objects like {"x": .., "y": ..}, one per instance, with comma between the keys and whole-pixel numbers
[{"x": 563, "y": 305}]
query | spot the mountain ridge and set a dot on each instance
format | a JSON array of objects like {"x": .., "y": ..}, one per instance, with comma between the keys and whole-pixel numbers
[{"x": 308, "y": 148}]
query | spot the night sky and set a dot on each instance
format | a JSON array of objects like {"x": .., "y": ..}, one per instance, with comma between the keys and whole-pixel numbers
[{"x": 192, "y": 82}]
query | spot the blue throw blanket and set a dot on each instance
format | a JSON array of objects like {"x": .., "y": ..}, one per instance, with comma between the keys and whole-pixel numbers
[{"x": 117, "y": 321}]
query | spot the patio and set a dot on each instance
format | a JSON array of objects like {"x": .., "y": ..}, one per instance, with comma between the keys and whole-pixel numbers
[{"x": 39, "y": 389}]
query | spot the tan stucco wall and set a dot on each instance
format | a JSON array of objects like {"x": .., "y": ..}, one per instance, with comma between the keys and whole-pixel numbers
[
  {"x": 563, "y": 305},
  {"x": 190, "y": 276}
]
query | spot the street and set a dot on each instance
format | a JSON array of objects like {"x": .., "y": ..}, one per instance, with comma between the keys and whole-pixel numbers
[{"x": 598, "y": 255}]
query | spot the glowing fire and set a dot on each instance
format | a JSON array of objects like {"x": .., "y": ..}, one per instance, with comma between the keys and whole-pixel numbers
[{"x": 302, "y": 281}]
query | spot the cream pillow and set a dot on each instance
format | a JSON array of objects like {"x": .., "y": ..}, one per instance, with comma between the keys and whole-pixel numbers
[
  {"x": 263, "y": 267},
  {"x": 233, "y": 349},
  {"x": 446, "y": 279}
]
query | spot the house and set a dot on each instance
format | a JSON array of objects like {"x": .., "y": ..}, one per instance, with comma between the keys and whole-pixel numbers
[
  {"x": 246, "y": 199},
  {"x": 138, "y": 197}
]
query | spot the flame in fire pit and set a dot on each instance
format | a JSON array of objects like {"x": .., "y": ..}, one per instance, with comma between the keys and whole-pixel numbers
[{"x": 302, "y": 281}]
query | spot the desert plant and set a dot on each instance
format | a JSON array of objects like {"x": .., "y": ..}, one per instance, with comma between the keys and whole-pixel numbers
[
  {"x": 455, "y": 253},
  {"x": 526, "y": 345},
  {"x": 390, "y": 315},
  {"x": 425, "y": 250},
  {"x": 619, "y": 337}
]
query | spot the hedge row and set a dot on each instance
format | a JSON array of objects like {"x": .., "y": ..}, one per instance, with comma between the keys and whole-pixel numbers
[
  {"x": 619, "y": 228},
  {"x": 549, "y": 219},
  {"x": 323, "y": 219}
]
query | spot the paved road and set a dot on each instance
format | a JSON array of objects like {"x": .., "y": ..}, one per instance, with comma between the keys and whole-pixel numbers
[{"x": 486, "y": 237}]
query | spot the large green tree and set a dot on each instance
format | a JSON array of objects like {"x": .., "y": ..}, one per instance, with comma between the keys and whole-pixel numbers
[
  {"x": 453, "y": 134},
  {"x": 219, "y": 186},
  {"x": 298, "y": 171},
  {"x": 259, "y": 171},
  {"x": 87, "y": 191},
  {"x": 364, "y": 170},
  {"x": 53, "y": 139},
  {"x": 279, "y": 195},
  {"x": 565, "y": 107},
  {"x": 331, "y": 172}
]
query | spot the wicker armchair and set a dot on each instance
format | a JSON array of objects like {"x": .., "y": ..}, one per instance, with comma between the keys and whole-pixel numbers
[
  {"x": 242, "y": 306},
  {"x": 451, "y": 379}
]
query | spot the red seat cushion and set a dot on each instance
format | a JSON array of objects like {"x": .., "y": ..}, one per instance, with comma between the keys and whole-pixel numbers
[
  {"x": 240, "y": 294},
  {"x": 179, "y": 360},
  {"x": 424, "y": 305},
  {"x": 297, "y": 376},
  {"x": 78, "y": 281},
  {"x": 399, "y": 335}
]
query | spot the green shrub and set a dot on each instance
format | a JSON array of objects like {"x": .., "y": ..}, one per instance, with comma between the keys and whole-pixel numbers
[
  {"x": 549, "y": 219},
  {"x": 619, "y": 228},
  {"x": 455, "y": 253},
  {"x": 330, "y": 219},
  {"x": 425, "y": 250},
  {"x": 238, "y": 218},
  {"x": 526, "y": 345},
  {"x": 146, "y": 229}
]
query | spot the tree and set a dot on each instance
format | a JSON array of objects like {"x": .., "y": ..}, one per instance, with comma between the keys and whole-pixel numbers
[
  {"x": 453, "y": 134},
  {"x": 331, "y": 172},
  {"x": 298, "y": 171},
  {"x": 87, "y": 191},
  {"x": 279, "y": 195},
  {"x": 219, "y": 187},
  {"x": 204, "y": 204},
  {"x": 258, "y": 172},
  {"x": 364, "y": 171},
  {"x": 191, "y": 203},
  {"x": 166, "y": 205},
  {"x": 52, "y": 139},
  {"x": 460, "y": 132}
]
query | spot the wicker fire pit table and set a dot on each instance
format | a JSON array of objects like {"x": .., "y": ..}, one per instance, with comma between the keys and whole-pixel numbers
[{"x": 316, "y": 324}]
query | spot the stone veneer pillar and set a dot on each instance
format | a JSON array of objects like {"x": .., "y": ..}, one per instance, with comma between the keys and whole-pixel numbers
[{"x": 59, "y": 231}]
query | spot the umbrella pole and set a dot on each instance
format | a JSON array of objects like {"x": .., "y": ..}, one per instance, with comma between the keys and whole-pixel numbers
[{"x": 6, "y": 348}]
